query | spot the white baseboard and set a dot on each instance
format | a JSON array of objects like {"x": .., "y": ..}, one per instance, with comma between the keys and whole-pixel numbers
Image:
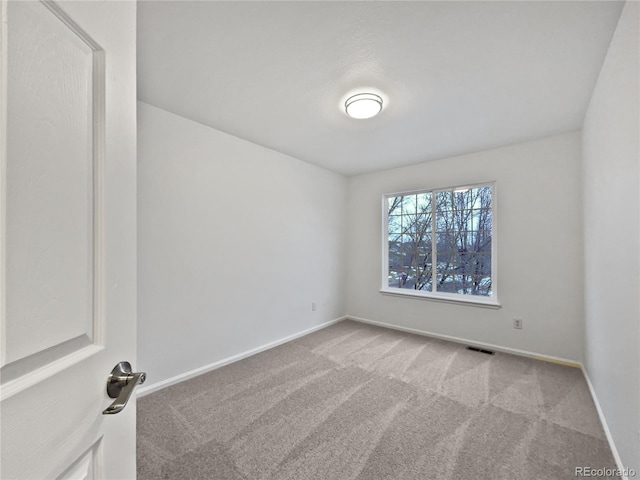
[
  {"x": 147, "y": 389},
  {"x": 490, "y": 346},
  {"x": 603, "y": 421}
]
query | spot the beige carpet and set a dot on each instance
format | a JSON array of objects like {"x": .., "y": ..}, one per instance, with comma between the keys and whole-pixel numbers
[{"x": 354, "y": 401}]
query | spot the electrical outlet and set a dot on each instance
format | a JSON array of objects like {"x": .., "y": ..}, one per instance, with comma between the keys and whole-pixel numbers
[
  {"x": 314, "y": 306},
  {"x": 517, "y": 323}
]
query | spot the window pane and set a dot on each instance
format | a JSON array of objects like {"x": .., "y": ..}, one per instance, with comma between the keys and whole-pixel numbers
[
  {"x": 464, "y": 241},
  {"x": 395, "y": 256},
  {"x": 409, "y": 225},
  {"x": 424, "y": 270},
  {"x": 409, "y": 205},
  {"x": 444, "y": 201},
  {"x": 424, "y": 242},
  {"x": 419, "y": 227},
  {"x": 395, "y": 224},
  {"x": 394, "y": 205},
  {"x": 424, "y": 203},
  {"x": 402, "y": 278},
  {"x": 445, "y": 283},
  {"x": 483, "y": 285}
]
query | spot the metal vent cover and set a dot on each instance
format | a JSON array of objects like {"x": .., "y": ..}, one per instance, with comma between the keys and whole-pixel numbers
[{"x": 481, "y": 350}]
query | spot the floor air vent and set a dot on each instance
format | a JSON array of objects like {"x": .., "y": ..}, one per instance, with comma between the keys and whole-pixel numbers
[{"x": 481, "y": 350}]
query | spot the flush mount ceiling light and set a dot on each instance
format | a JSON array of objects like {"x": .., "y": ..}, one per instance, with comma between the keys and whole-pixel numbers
[{"x": 363, "y": 105}]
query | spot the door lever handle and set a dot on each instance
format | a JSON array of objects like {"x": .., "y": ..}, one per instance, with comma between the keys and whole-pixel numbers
[{"x": 120, "y": 385}]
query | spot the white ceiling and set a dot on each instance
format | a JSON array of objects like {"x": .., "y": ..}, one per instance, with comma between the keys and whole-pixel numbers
[{"x": 457, "y": 76}]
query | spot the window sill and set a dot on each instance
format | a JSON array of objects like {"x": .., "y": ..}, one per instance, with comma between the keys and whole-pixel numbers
[{"x": 471, "y": 302}]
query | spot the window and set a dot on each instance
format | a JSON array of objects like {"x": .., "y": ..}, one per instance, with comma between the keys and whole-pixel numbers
[{"x": 438, "y": 244}]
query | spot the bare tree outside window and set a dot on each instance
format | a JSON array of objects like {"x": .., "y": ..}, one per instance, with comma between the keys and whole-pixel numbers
[{"x": 440, "y": 241}]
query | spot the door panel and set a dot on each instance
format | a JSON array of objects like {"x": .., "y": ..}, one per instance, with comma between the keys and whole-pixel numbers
[
  {"x": 53, "y": 162},
  {"x": 68, "y": 237}
]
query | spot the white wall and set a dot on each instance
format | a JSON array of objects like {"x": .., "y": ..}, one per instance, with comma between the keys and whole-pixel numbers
[
  {"x": 234, "y": 243},
  {"x": 539, "y": 242},
  {"x": 612, "y": 238}
]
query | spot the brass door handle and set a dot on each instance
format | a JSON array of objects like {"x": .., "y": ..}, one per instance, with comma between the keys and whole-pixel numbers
[{"x": 120, "y": 385}]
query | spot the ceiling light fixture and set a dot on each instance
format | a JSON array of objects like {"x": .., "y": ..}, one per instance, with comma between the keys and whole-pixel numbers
[{"x": 363, "y": 105}]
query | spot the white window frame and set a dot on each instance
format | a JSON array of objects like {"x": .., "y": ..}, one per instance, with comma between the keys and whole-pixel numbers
[{"x": 476, "y": 300}]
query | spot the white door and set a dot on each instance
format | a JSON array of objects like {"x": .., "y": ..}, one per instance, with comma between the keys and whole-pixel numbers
[{"x": 68, "y": 238}]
